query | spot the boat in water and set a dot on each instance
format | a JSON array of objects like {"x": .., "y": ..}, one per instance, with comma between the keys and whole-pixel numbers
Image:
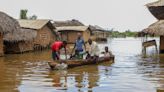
[{"x": 66, "y": 64}]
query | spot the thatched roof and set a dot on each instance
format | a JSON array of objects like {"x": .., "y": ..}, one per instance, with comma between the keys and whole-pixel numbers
[
  {"x": 96, "y": 28},
  {"x": 157, "y": 3},
  {"x": 35, "y": 24},
  {"x": 72, "y": 28},
  {"x": 8, "y": 24},
  {"x": 22, "y": 35},
  {"x": 156, "y": 28},
  {"x": 68, "y": 23}
]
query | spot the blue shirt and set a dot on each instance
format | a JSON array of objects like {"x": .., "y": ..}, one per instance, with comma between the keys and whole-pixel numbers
[{"x": 79, "y": 44}]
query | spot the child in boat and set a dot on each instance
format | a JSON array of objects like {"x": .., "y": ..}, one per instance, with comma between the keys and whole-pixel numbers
[{"x": 107, "y": 53}]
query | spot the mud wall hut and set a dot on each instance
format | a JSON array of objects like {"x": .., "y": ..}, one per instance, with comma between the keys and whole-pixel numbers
[
  {"x": 45, "y": 32},
  {"x": 98, "y": 33},
  {"x": 157, "y": 9},
  {"x": 69, "y": 33},
  {"x": 7, "y": 25}
]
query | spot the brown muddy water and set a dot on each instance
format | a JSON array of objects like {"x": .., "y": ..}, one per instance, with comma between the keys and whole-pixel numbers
[{"x": 130, "y": 73}]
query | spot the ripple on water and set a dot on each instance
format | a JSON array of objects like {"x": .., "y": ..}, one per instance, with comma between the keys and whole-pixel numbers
[{"x": 130, "y": 72}]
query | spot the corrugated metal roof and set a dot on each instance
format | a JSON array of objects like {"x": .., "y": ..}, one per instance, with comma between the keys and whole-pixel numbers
[
  {"x": 33, "y": 24},
  {"x": 157, "y": 3},
  {"x": 72, "y": 28}
]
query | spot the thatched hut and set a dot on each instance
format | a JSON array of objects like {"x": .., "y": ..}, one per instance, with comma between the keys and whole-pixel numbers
[
  {"x": 72, "y": 22},
  {"x": 157, "y": 9},
  {"x": 7, "y": 25},
  {"x": 19, "y": 41},
  {"x": 45, "y": 32},
  {"x": 157, "y": 28},
  {"x": 98, "y": 33},
  {"x": 69, "y": 33}
]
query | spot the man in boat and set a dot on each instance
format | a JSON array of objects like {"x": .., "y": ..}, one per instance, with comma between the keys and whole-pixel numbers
[
  {"x": 79, "y": 45},
  {"x": 56, "y": 47},
  {"x": 94, "y": 50}
]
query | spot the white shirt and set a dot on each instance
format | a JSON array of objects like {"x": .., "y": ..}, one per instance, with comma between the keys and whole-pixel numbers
[
  {"x": 107, "y": 54},
  {"x": 94, "y": 49}
]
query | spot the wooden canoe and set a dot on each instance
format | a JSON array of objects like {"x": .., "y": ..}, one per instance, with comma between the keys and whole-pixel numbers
[{"x": 76, "y": 63}]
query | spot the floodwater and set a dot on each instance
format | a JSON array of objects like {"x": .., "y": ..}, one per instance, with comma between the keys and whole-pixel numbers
[{"x": 130, "y": 73}]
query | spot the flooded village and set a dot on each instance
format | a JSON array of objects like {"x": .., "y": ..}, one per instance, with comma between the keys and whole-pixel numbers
[{"x": 50, "y": 55}]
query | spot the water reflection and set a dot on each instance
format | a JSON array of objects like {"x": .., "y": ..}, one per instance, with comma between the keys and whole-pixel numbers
[
  {"x": 153, "y": 70},
  {"x": 130, "y": 72},
  {"x": 79, "y": 79}
]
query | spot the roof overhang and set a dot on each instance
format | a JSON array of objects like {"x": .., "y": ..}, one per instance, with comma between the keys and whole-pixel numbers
[{"x": 72, "y": 28}]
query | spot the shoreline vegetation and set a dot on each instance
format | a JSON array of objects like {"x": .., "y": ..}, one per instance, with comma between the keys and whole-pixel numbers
[{"x": 128, "y": 33}]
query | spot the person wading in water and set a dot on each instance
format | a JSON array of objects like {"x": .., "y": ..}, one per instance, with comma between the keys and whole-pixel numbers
[{"x": 78, "y": 47}]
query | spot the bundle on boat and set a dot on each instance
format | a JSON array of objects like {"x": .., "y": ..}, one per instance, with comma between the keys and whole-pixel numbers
[{"x": 66, "y": 64}]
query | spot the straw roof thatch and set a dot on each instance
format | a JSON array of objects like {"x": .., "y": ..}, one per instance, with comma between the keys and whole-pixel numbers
[
  {"x": 68, "y": 23},
  {"x": 35, "y": 24},
  {"x": 156, "y": 28},
  {"x": 12, "y": 30},
  {"x": 96, "y": 28},
  {"x": 8, "y": 24},
  {"x": 157, "y": 3},
  {"x": 157, "y": 9},
  {"x": 22, "y": 35},
  {"x": 72, "y": 28}
]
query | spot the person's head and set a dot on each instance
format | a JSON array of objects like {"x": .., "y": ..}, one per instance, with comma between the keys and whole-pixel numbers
[
  {"x": 64, "y": 43},
  {"x": 90, "y": 41},
  {"x": 106, "y": 48},
  {"x": 79, "y": 35}
]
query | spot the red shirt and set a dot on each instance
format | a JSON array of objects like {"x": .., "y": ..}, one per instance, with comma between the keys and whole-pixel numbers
[{"x": 56, "y": 45}]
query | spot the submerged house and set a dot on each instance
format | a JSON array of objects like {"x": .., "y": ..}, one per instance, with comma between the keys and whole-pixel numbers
[
  {"x": 69, "y": 33},
  {"x": 7, "y": 25},
  {"x": 19, "y": 41},
  {"x": 98, "y": 33},
  {"x": 157, "y": 28},
  {"x": 157, "y": 9},
  {"x": 44, "y": 32},
  {"x": 67, "y": 23}
]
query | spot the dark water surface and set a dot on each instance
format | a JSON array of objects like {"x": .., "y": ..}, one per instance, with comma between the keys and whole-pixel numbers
[{"x": 130, "y": 72}]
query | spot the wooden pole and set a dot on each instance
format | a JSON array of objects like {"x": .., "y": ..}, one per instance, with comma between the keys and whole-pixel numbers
[{"x": 161, "y": 44}]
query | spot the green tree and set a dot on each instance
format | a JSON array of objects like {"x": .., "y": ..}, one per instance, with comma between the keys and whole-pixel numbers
[
  {"x": 23, "y": 14},
  {"x": 33, "y": 17}
]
